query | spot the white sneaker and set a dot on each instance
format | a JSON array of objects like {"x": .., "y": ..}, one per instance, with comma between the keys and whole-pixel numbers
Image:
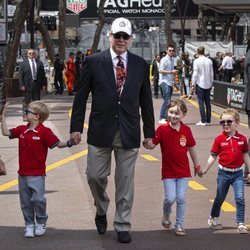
[
  {"x": 29, "y": 231},
  {"x": 162, "y": 121},
  {"x": 213, "y": 222},
  {"x": 40, "y": 229},
  {"x": 200, "y": 123}
]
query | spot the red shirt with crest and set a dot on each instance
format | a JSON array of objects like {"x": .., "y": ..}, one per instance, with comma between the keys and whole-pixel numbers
[
  {"x": 33, "y": 148},
  {"x": 174, "y": 148},
  {"x": 230, "y": 149}
]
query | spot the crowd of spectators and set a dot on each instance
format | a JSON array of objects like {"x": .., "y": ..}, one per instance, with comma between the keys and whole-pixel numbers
[{"x": 226, "y": 66}]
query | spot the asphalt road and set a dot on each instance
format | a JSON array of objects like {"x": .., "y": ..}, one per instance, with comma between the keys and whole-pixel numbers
[{"x": 70, "y": 205}]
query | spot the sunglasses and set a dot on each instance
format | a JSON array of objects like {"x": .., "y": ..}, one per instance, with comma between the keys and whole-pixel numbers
[
  {"x": 27, "y": 111},
  {"x": 171, "y": 50},
  {"x": 119, "y": 36},
  {"x": 228, "y": 122}
]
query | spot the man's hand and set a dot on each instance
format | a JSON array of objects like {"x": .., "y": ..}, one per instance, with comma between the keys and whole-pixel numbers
[
  {"x": 175, "y": 71},
  {"x": 2, "y": 168},
  {"x": 75, "y": 137},
  {"x": 148, "y": 144}
]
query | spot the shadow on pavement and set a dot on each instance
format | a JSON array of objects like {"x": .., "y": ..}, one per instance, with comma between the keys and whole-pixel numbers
[{"x": 12, "y": 238}]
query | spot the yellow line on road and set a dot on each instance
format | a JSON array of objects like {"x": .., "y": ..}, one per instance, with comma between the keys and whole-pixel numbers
[
  {"x": 196, "y": 186},
  {"x": 8, "y": 185},
  {"x": 226, "y": 207},
  {"x": 50, "y": 167},
  {"x": 66, "y": 160},
  {"x": 149, "y": 157}
]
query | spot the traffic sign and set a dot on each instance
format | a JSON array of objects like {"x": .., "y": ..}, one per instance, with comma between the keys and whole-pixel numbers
[{"x": 76, "y": 6}]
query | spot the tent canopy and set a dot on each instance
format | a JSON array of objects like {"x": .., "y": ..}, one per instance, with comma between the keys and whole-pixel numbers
[{"x": 226, "y": 6}]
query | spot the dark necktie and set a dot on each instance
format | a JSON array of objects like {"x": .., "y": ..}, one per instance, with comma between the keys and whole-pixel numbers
[
  {"x": 120, "y": 74},
  {"x": 34, "y": 70}
]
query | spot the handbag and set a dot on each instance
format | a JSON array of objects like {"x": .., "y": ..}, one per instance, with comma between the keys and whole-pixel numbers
[{"x": 2, "y": 168}]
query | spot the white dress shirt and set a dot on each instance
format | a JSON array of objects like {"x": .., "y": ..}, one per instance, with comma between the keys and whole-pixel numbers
[
  {"x": 203, "y": 72},
  {"x": 31, "y": 67}
]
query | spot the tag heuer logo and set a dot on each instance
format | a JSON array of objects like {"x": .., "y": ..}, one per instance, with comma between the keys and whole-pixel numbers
[{"x": 76, "y": 6}]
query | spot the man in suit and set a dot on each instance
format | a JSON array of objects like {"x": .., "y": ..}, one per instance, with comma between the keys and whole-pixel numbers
[
  {"x": 31, "y": 78},
  {"x": 58, "y": 74},
  {"x": 120, "y": 88},
  {"x": 246, "y": 101}
]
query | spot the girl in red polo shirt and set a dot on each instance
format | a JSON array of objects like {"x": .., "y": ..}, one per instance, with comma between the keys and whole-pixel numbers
[
  {"x": 34, "y": 141},
  {"x": 232, "y": 149},
  {"x": 176, "y": 140}
]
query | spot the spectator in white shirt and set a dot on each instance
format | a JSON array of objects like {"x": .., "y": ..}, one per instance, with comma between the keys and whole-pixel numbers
[
  {"x": 202, "y": 81},
  {"x": 227, "y": 66}
]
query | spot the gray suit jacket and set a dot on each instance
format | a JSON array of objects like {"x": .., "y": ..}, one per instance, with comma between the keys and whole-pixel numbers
[{"x": 25, "y": 75}]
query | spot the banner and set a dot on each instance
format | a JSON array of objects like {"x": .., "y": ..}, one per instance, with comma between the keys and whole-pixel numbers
[
  {"x": 135, "y": 9},
  {"x": 227, "y": 95}
]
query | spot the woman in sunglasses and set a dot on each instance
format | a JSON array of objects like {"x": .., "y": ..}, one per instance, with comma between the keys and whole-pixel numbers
[{"x": 232, "y": 149}]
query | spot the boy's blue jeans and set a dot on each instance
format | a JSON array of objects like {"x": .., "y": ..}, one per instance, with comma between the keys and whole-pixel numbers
[{"x": 224, "y": 180}]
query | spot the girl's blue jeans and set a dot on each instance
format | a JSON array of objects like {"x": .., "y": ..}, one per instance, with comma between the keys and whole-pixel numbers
[
  {"x": 224, "y": 180},
  {"x": 175, "y": 190}
]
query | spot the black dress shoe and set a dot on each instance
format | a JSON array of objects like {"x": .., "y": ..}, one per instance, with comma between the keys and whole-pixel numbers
[
  {"x": 124, "y": 237},
  {"x": 101, "y": 223}
]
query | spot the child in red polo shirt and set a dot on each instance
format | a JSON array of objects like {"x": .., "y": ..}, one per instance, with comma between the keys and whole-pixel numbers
[
  {"x": 232, "y": 149},
  {"x": 34, "y": 141},
  {"x": 176, "y": 140}
]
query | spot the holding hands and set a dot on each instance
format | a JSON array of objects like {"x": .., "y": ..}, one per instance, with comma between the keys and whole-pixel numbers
[{"x": 148, "y": 143}]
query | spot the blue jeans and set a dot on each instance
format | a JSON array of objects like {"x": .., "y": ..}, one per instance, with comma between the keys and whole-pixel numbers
[
  {"x": 175, "y": 190},
  {"x": 166, "y": 94},
  {"x": 224, "y": 180},
  {"x": 203, "y": 96}
]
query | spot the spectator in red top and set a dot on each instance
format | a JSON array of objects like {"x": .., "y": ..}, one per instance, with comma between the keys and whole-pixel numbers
[
  {"x": 176, "y": 141},
  {"x": 232, "y": 149},
  {"x": 34, "y": 141},
  {"x": 70, "y": 73}
]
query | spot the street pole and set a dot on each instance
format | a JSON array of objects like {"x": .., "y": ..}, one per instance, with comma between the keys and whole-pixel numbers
[{"x": 31, "y": 17}]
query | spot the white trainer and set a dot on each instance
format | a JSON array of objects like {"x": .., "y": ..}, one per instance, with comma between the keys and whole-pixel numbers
[
  {"x": 40, "y": 229},
  {"x": 200, "y": 123},
  {"x": 29, "y": 231},
  {"x": 213, "y": 222}
]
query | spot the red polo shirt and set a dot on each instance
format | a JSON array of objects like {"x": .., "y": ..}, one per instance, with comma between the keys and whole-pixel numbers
[
  {"x": 174, "y": 148},
  {"x": 230, "y": 149},
  {"x": 33, "y": 148}
]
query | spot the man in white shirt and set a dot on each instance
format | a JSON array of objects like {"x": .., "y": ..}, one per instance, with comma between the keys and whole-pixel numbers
[
  {"x": 202, "y": 81},
  {"x": 227, "y": 66},
  {"x": 167, "y": 75}
]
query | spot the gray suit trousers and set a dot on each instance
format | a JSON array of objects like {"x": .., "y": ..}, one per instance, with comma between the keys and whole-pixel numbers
[{"x": 98, "y": 170}]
